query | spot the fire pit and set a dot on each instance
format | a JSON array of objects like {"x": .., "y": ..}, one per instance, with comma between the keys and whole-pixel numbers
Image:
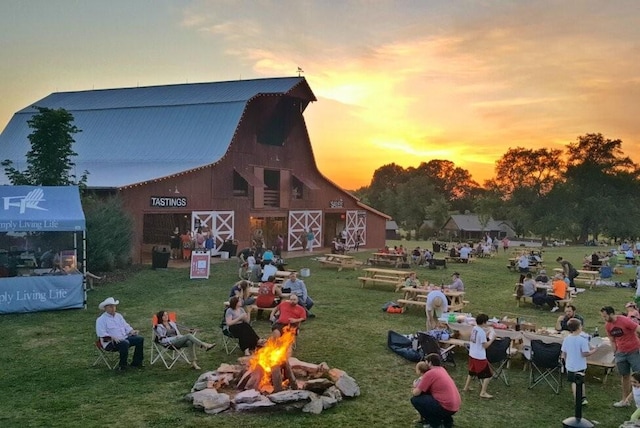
[{"x": 272, "y": 379}]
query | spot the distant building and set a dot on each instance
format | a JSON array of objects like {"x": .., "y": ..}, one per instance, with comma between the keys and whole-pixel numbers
[
  {"x": 392, "y": 230},
  {"x": 234, "y": 157},
  {"x": 466, "y": 227}
]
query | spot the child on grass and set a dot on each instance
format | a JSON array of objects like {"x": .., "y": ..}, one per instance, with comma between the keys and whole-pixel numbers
[
  {"x": 635, "y": 394},
  {"x": 481, "y": 338},
  {"x": 575, "y": 350}
]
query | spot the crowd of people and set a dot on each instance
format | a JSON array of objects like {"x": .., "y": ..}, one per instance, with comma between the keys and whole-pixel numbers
[{"x": 434, "y": 394}]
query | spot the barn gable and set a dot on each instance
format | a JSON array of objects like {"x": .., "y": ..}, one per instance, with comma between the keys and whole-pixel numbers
[{"x": 133, "y": 135}]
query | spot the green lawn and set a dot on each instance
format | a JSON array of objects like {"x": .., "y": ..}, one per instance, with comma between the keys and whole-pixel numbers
[{"x": 48, "y": 380}]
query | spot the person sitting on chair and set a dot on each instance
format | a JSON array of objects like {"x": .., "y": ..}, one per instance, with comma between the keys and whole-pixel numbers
[
  {"x": 237, "y": 319},
  {"x": 288, "y": 313},
  {"x": 435, "y": 395},
  {"x": 116, "y": 334},
  {"x": 168, "y": 334}
]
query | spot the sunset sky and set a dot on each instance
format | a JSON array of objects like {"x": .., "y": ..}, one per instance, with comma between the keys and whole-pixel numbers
[{"x": 396, "y": 81}]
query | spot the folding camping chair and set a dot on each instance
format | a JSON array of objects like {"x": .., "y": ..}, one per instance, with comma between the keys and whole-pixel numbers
[
  {"x": 229, "y": 341},
  {"x": 168, "y": 354},
  {"x": 499, "y": 355},
  {"x": 110, "y": 358},
  {"x": 430, "y": 345},
  {"x": 545, "y": 364}
]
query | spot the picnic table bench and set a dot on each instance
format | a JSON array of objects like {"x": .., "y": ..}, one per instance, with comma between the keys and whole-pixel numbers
[
  {"x": 339, "y": 260},
  {"x": 383, "y": 276},
  {"x": 459, "y": 259}
]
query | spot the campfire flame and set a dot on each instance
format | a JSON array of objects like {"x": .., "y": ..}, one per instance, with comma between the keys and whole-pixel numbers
[{"x": 273, "y": 354}]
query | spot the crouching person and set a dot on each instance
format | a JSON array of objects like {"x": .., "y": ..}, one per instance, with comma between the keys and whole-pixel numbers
[{"x": 435, "y": 395}]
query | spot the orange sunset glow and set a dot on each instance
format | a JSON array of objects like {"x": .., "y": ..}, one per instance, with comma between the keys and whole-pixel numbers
[{"x": 403, "y": 82}]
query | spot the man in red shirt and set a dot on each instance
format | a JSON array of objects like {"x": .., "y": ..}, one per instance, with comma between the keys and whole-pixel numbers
[
  {"x": 287, "y": 313},
  {"x": 435, "y": 396},
  {"x": 623, "y": 334}
]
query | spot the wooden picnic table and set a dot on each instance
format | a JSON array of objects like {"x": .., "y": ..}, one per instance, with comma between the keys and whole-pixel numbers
[
  {"x": 585, "y": 276},
  {"x": 418, "y": 297},
  {"x": 383, "y": 276},
  {"x": 340, "y": 260},
  {"x": 534, "y": 265},
  {"x": 387, "y": 259},
  {"x": 283, "y": 275}
]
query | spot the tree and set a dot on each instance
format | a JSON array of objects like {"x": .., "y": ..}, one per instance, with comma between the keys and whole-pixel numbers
[
  {"x": 453, "y": 182},
  {"x": 49, "y": 160},
  {"x": 603, "y": 186},
  {"x": 537, "y": 170}
]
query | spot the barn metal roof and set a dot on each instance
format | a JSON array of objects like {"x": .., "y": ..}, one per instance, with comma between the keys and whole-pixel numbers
[{"x": 133, "y": 135}]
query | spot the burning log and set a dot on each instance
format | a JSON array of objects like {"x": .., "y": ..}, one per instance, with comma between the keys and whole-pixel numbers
[
  {"x": 293, "y": 384},
  {"x": 251, "y": 379},
  {"x": 276, "y": 379}
]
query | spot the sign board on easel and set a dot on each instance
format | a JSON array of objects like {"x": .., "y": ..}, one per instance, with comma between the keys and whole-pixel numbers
[{"x": 200, "y": 265}]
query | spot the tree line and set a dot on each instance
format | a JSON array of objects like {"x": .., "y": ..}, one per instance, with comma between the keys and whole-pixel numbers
[{"x": 589, "y": 189}]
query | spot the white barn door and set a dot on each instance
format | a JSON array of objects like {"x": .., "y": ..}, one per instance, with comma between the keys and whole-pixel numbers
[
  {"x": 299, "y": 224},
  {"x": 220, "y": 223},
  {"x": 356, "y": 224}
]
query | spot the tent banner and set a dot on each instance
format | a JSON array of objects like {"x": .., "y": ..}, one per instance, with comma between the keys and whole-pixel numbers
[
  {"x": 41, "y": 293},
  {"x": 41, "y": 209}
]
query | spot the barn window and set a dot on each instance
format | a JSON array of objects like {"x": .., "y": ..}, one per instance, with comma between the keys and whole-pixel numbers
[
  {"x": 296, "y": 188},
  {"x": 240, "y": 185},
  {"x": 272, "y": 190},
  {"x": 277, "y": 126}
]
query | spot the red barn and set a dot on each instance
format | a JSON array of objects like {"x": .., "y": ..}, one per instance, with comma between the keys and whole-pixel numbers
[{"x": 234, "y": 157}]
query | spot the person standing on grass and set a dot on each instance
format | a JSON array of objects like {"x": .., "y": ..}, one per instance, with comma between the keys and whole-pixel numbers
[
  {"x": 623, "y": 334},
  {"x": 505, "y": 244},
  {"x": 435, "y": 306},
  {"x": 481, "y": 338},
  {"x": 575, "y": 350},
  {"x": 435, "y": 395}
]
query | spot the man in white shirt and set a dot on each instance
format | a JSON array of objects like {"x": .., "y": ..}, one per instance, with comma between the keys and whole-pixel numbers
[
  {"x": 268, "y": 270},
  {"x": 464, "y": 253},
  {"x": 115, "y": 333}
]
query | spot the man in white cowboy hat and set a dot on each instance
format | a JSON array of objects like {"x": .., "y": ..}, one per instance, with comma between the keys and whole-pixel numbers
[{"x": 115, "y": 333}]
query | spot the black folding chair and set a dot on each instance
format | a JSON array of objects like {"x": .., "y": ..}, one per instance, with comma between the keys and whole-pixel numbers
[
  {"x": 545, "y": 364},
  {"x": 430, "y": 345},
  {"x": 499, "y": 355},
  {"x": 229, "y": 341}
]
